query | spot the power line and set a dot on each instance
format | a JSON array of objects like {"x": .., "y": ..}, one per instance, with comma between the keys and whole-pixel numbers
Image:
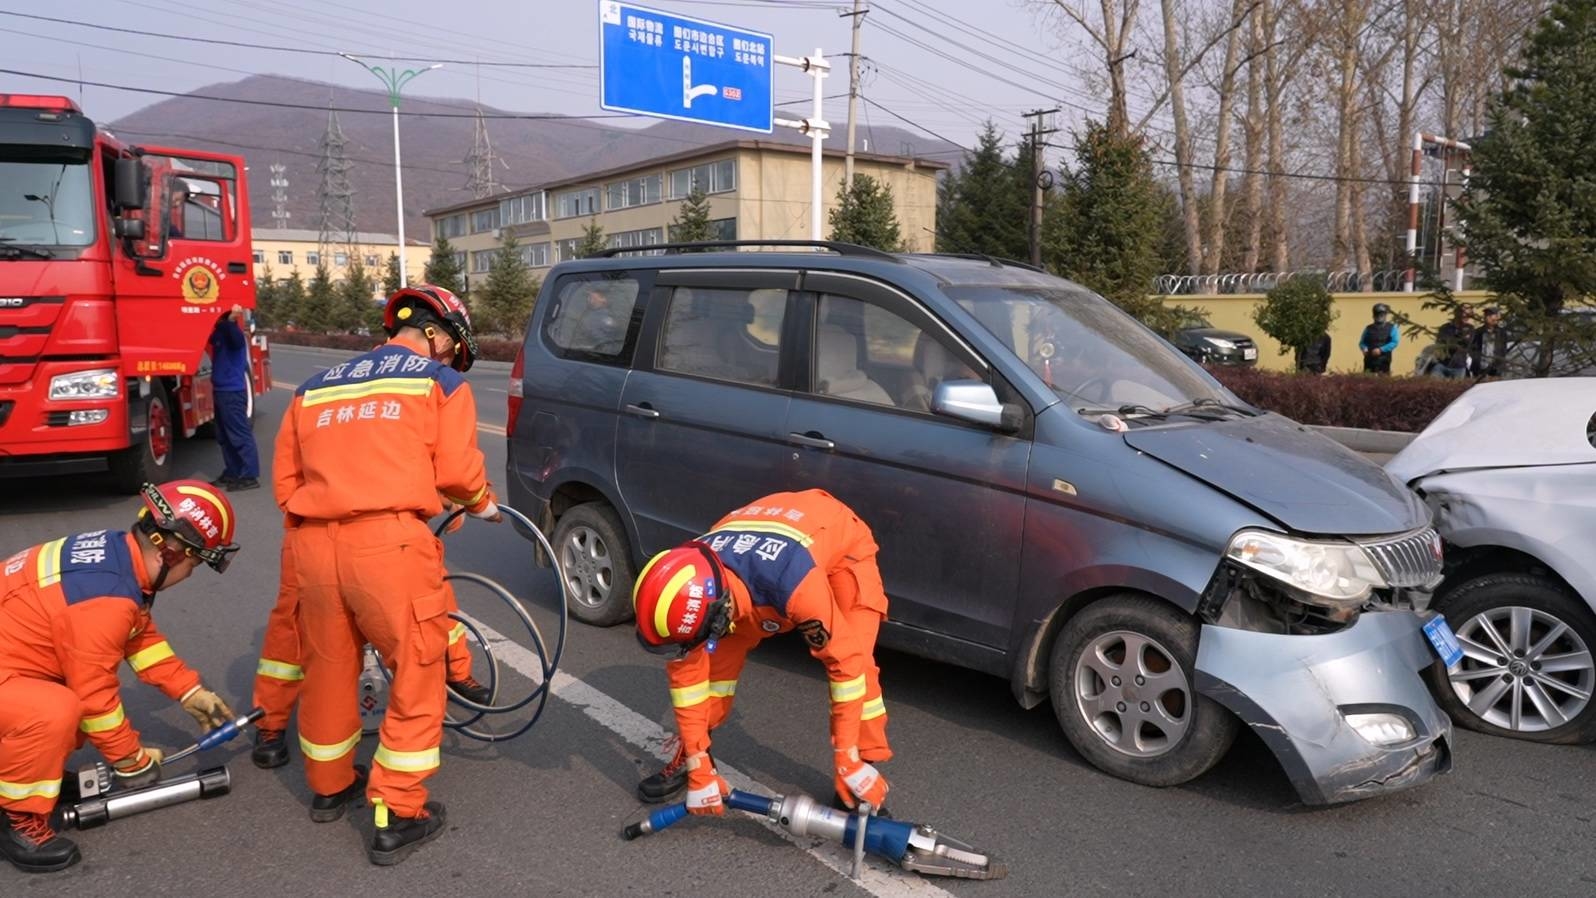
[{"x": 916, "y": 126}]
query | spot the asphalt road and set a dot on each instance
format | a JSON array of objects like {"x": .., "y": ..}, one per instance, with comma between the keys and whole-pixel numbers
[{"x": 542, "y": 815}]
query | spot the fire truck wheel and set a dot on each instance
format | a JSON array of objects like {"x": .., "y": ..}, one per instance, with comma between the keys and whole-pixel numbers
[{"x": 149, "y": 460}]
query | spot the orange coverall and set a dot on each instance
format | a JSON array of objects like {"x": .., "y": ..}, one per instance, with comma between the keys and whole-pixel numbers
[
  {"x": 793, "y": 560},
  {"x": 71, "y": 610},
  {"x": 364, "y": 451}
]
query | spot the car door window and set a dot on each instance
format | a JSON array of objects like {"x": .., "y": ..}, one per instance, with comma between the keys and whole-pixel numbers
[
  {"x": 594, "y": 319},
  {"x": 865, "y": 353},
  {"x": 724, "y": 334}
]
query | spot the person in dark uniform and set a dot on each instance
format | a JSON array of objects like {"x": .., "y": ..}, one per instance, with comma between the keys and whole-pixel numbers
[
  {"x": 1488, "y": 346},
  {"x": 230, "y": 383},
  {"x": 1316, "y": 358},
  {"x": 1379, "y": 340}
]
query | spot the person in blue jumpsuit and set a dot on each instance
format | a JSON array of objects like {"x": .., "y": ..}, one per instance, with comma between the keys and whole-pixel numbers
[
  {"x": 230, "y": 384},
  {"x": 1379, "y": 340}
]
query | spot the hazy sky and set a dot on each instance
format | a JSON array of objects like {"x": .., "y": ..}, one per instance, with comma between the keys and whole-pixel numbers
[{"x": 950, "y": 97}]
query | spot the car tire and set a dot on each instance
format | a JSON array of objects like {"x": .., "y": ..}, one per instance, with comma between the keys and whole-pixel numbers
[
  {"x": 1538, "y": 606},
  {"x": 151, "y": 460},
  {"x": 1151, "y": 726},
  {"x": 595, "y": 559}
]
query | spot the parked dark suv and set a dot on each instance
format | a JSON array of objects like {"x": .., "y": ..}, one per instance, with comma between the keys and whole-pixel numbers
[{"x": 1061, "y": 498}]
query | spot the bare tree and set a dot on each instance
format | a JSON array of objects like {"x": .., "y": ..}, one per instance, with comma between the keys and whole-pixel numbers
[
  {"x": 1215, "y": 242},
  {"x": 1111, "y": 30},
  {"x": 1252, "y": 139}
]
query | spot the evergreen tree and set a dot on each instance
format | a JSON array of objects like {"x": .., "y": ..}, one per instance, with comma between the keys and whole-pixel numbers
[
  {"x": 318, "y": 310},
  {"x": 593, "y": 240},
  {"x": 443, "y": 269},
  {"x": 1529, "y": 216},
  {"x": 291, "y": 301},
  {"x": 1104, "y": 230},
  {"x": 266, "y": 290},
  {"x": 504, "y": 302},
  {"x": 984, "y": 208},
  {"x": 864, "y": 215},
  {"x": 390, "y": 275},
  {"x": 355, "y": 303},
  {"x": 691, "y": 224}
]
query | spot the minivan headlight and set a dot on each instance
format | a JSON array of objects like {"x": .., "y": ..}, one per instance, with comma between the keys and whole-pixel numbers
[
  {"x": 101, "y": 383},
  {"x": 1339, "y": 572}
]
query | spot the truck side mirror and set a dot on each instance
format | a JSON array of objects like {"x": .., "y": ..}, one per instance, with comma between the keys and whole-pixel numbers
[
  {"x": 129, "y": 228},
  {"x": 132, "y": 189}
]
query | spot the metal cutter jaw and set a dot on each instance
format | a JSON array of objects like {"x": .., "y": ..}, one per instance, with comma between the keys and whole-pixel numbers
[{"x": 931, "y": 853}]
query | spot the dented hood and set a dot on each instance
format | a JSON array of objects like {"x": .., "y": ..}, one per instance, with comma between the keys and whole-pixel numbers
[{"x": 1509, "y": 424}]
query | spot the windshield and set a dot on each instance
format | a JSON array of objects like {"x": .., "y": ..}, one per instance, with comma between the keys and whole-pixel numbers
[
  {"x": 45, "y": 202},
  {"x": 1093, "y": 355}
]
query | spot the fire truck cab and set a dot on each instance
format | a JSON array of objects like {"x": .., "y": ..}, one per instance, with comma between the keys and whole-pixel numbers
[{"x": 116, "y": 264}]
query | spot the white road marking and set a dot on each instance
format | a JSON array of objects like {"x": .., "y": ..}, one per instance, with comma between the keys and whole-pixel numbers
[{"x": 649, "y": 736}]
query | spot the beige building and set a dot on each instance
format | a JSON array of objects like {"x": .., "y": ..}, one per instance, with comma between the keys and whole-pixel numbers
[
  {"x": 758, "y": 190},
  {"x": 282, "y": 251}
]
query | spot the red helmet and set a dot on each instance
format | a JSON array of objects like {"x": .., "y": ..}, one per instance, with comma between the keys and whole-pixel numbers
[
  {"x": 425, "y": 304},
  {"x": 195, "y": 514},
  {"x": 681, "y": 600}
]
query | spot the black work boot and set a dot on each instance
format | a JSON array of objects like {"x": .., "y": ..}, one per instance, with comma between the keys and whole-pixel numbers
[
  {"x": 29, "y": 843},
  {"x": 470, "y": 690},
  {"x": 668, "y": 783},
  {"x": 271, "y": 749},
  {"x": 397, "y": 836},
  {"x": 243, "y": 483},
  {"x": 327, "y": 808}
]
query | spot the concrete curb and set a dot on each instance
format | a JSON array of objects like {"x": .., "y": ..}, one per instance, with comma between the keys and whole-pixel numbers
[{"x": 1388, "y": 442}]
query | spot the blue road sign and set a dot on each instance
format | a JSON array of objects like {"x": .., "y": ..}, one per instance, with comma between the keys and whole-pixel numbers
[{"x": 669, "y": 66}]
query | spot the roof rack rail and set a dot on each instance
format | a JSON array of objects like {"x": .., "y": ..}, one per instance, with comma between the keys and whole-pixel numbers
[
  {"x": 994, "y": 261},
  {"x": 841, "y": 249}
]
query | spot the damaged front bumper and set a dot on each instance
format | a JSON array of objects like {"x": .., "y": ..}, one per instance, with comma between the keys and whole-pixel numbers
[{"x": 1296, "y": 690}]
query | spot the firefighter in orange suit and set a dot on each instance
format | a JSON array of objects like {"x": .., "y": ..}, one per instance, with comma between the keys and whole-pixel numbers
[
  {"x": 364, "y": 451},
  {"x": 71, "y": 610},
  {"x": 279, "y": 672},
  {"x": 788, "y": 561}
]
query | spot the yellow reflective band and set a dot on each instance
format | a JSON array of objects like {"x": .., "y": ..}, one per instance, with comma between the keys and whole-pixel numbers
[
  {"x": 873, "y": 709},
  {"x": 407, "y": 761},
  {"x": 688, "y": 696},
  {"x": 316, "y": 751},
  {"x": 104, "y": 722},
  {"x": 848, "y": 690},
  {"x": 763, "y": 526},
  {"x": 49, "y": 569},
  {"x": 144, "y": 659},
  {"x": 723, "y": 688},
  {"x": 457, "y": 633},
  {"x": 642, "y": 575},
  {"x": 379, "y": 814},
  {"x": 213, "y": 498},
  {"x": 39, "y": 789},
  {"x": 394, "y": 386},
  {"x": 475, "y": 497},
  {"x": 278, "y": 670},
  {"x": 662, "y": 624}
]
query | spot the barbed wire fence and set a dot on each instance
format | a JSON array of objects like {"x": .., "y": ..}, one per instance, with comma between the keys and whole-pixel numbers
[{"x": 1345, "y": 281}]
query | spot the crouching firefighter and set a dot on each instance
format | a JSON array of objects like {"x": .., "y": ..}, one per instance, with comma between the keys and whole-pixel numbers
[
  {"x": 71, "y": 610},
  {"x": 364, "y": 451},
  {"x": 788, "y": 561}
]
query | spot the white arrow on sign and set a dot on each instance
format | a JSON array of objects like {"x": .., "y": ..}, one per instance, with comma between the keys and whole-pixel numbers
[{"x": 689, "y": 92}]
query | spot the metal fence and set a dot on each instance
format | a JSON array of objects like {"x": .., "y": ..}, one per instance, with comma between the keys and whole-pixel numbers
[{"x": 1387, "y": 280}]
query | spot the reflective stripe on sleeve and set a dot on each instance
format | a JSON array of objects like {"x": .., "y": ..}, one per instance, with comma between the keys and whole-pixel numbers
[
  {"x": 723, "y": 688},
  {"x": 39, "y": 789},
  {"x": 332, "y": 751},
  {"x": 457, "y": 633},
  {"x": 144, "y": 659},
  {"x": 688, "y": 696},
  {"x": 873, "y": 709},
  {"x": 48, "y": 571},
  {"x": 105, "y": 722},
  {"x": 848, "y": 690},
  {"x": 407, "y": 761},
  {"x": 279, "y": 670}
]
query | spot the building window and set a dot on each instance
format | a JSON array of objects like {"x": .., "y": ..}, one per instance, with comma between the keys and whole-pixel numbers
[
  {"x": 312, "y": 258},
  {"x": 565, "y": 250},
  {"x": 633, "y": 192},
  {"x": 521, "y": 209},
  {"x": 285, "y": 257},
  {"x": 482, "y": 260},
  {"x": 260, "y": 256},
  {"x": 459, "y": 258},
  {"x": 631, "y": 239},
  {"x": 577, "y": 202},
  {"x": 714, "y": 177},
  {"x": 723, "y": 228},
  {"x": 372, "y": 261},
  {"x": 535, "y": 255},
  {"x": 452, "y": 226},
  {"x": 485, "y": 220},
  {"x": 341, "y": 259}
]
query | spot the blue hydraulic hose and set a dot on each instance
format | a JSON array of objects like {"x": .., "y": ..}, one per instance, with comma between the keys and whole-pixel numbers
[{"x": 672, "y": 814}]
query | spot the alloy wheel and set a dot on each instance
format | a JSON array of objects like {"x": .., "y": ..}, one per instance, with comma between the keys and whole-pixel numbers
[
  {"x": 1134, "y": 694},
  {"x": 1523, "y": 669},
  {"x": 587, "y": 566}
]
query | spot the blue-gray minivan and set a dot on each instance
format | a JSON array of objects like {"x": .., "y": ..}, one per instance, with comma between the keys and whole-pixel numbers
[{"x": 1061, "y": 498}]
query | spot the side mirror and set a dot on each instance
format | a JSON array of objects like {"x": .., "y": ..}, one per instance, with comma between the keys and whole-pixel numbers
[
  {"x": 129, "y": 228},
  {"x": 976, "y": 402},
  {"x": 132, "y": 189}
]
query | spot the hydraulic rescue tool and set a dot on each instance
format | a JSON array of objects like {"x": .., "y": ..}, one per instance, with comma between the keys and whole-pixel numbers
[
  {"x": 97, "y": 807},
  {"x": 910, "y": 846}
]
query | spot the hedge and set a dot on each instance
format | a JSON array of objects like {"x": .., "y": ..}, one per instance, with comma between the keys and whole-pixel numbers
[
  {"x": 1366, "y": 401},
  {"x": 490, "y": 350}
]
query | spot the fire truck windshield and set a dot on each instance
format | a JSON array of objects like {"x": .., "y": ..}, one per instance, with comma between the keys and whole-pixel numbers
[{"x": 45, "y": 202}]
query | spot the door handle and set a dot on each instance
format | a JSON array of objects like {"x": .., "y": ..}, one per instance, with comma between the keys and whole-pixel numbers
[
  {"x": 813, "y": 442},
  {"x": 643, "y": 410},
  {"x": 237, "y": 268}
]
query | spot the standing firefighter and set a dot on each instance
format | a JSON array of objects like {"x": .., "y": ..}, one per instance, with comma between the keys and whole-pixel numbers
[
  {"x": 365, "y": 449},
  {"x": 788, "y": 561},
  {"x": 73, "y": 609}
]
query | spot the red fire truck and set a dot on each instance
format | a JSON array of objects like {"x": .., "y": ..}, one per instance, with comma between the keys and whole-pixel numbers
[{"x": 116, "y": 261}]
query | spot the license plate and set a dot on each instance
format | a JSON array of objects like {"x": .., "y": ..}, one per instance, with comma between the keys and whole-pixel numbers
[
  {"x": 1249, "y": 353},
  {"x": 1443, "y": 641}
]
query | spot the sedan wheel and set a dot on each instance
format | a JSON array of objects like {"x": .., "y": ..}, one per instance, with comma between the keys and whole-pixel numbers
[{"x": 1523, "y": 669}]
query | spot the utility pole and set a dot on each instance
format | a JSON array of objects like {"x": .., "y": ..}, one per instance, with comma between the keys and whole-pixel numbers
[
  {"x": 1038, "y": 169},
  {"x": 395, "y": 79},
  {"x": 853, "y": 89}
]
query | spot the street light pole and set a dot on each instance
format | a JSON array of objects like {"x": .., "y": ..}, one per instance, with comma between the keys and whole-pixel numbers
[{"x": 395, "y": 79}]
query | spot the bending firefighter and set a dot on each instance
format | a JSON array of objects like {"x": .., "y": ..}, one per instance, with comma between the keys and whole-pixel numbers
[
  {"x": 364, "y": 451},
  {"x": 788, "y": 561},
  {"x": 71, "y": 610}
]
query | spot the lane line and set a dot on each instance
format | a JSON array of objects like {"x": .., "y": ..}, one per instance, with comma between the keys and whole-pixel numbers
[
  {"x": 494, "y": 429},
  {"x": 645, "y": 734}
]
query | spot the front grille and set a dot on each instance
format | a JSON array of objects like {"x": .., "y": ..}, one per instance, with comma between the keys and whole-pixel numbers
[{"x": 1408, "y": 561}]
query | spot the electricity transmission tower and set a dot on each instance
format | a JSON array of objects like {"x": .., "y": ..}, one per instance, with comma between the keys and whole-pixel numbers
[
  {"x": 335, "y": 195},
  {"x": 480, "y": 161}
]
